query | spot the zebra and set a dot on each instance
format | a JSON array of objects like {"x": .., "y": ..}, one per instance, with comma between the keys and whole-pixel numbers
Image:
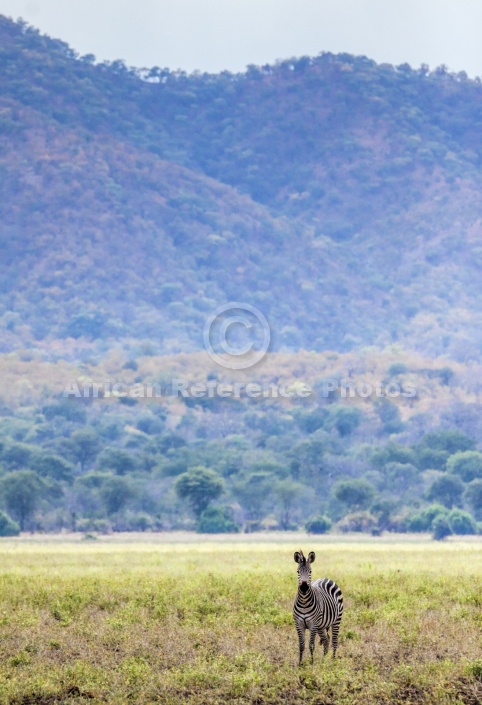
[{"x": 318, "y": 606}]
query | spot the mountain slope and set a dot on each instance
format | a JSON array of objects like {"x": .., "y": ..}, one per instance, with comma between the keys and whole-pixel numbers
[{"x": 340, "y": 197}]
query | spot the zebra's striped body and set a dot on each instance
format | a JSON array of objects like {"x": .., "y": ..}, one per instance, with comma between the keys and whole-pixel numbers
[{"x": 318, "y": 607}]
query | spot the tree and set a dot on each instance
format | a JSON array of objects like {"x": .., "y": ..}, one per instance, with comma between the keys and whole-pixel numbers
[
  {"x": 115, "y": 492},
  {"x": 401, "y": 478},
  {"x": 307, "y": 459},
  {"x": 356, "y": 494},
  {"x": 253, "y": 493},
  {"x": 397, "y": 368},
  {"x": 382, "y": 509},
  {"x": 85, "y": 446},
  {"x": 461, "y": 522},
  {"x": 441, "y": 528},
  {"x": 390, "y": 416},
  {"x": 447, "y": 490},
  {"x": 473, "y": 496},
  {"x": 118, "y": 460},
  {"x": 423, "y": 521},
  {"x": 17, "y": 455},
  {"x": 287, "y": 493},
  {"x": 8, "y": 527},
  {"x": 467, "y": 465},
  {"x": 431, "y": 458},
  {"x": 451, "y": 441},
  {"x": 53, "y": 466},
  {"x": 199, "y": 486},
  {"x": 217, "y": 520},
  {"x": 345, "y": 419},
  {"x": 21, "y": 492},
  {"x": 91, "y": 325},
  {"x": 311, "y": 421},
  {"x": 392, "y": 453}
]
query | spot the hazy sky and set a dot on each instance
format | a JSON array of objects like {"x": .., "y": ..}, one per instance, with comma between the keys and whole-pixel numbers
[{"x": 212, "y": 35}]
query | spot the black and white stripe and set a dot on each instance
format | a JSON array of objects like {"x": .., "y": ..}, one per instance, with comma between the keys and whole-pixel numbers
[{"x": 318, "y": 607}]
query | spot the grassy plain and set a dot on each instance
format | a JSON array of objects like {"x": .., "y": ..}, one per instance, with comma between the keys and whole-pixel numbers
[{"x": 171, "y": 620}]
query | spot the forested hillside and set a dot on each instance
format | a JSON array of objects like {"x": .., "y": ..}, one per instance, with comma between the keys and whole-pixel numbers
[
  {"x": 231, "y": 464},
  {"x": 339, "y": 196}
]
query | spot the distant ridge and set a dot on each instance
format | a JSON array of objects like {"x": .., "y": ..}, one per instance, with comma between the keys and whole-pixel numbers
[{"x": 341, "y": 197}]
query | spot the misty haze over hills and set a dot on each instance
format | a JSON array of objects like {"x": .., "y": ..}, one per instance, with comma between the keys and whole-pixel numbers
[{"x": 340, "y": 197}]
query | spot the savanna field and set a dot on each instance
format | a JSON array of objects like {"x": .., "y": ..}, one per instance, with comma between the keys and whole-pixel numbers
[{"x": 170, "y": 619}]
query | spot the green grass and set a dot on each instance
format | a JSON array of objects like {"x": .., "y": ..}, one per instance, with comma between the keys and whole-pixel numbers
[{"x": 209, "y": 622}]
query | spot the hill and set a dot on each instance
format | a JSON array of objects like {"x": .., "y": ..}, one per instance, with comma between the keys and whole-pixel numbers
[{"x": 339, "y": 196}]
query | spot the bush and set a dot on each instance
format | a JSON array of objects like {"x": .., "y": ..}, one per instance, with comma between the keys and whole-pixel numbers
[
  {"x": 217, "y": 520},
  {"x": 441, "y": 528},
  {"x": 358, "y": 521},
  {"x": 318, "y": 525},
  {"x": 134, "y": 521},
  {"x": 462, "y": 522},
  {"x": 8, "y": 527},
  {"x": 475, "y": 669},
  {"x": 423, "y": 521},
  {"x": 102, "y": 526}
]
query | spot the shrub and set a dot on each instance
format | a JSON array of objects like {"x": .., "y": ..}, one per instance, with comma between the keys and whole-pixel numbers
[
  {"x": 475, "y": 669},
  {"x": 318, "y": 525},
  {"x": 217, "y": 520},
  {"x": 8, "y": 527},
  {"x": 134, "y": 521},
  {"x": 102, "y": 526},
  {"x": 441, "y": 528},
  {"x": 423, "y": 521},
  {"x": 358, "y": 521},
  {"x": 462, "y": 522}
]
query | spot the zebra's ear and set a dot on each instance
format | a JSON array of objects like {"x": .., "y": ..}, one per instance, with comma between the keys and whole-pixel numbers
[
  {"x": 311, "y": 557},
  {"x": 297, "y": 556}
]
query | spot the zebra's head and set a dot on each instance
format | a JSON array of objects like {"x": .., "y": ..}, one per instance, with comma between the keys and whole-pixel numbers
[{"x": 304, "y": 569}]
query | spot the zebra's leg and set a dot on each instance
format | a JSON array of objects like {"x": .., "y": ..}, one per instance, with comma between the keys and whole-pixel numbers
[
  {"x": 300, "y": 628},
  {"x": 312, "y": 641},
  {"x": 334, "y": 635},
  {"x": 324, "y": 640}
]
